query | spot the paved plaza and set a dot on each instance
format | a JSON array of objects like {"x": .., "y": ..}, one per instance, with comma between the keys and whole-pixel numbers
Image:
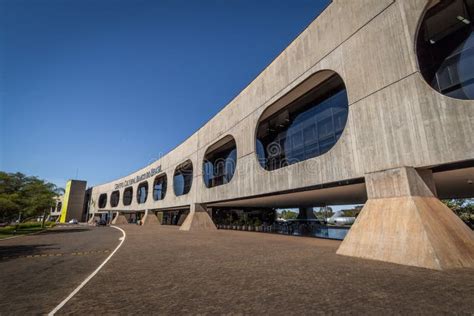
[
  {"x": 39, "y": 271},
  {"x": 160, "y": 270}
]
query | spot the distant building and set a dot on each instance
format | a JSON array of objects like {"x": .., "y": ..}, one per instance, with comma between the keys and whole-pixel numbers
[{"x": 72, "y": 205}]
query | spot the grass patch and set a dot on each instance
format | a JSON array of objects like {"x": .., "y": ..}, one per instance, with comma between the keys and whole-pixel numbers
[{"x": 23, "y": 229}]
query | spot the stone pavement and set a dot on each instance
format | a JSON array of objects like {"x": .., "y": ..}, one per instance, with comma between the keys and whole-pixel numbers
[
  {"x": 38, "y": 271},
  {"x": 160, "y": 270}
]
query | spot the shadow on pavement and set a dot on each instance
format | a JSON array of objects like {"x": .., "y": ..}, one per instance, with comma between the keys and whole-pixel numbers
[
  {"x": 12, "y": 252},
  {"x": 65, "y": 230}
]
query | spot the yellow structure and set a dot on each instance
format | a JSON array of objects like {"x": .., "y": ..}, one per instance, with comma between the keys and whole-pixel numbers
[
  {"x": 62, "y": 219},
  {"x": 73, "y": 203}
]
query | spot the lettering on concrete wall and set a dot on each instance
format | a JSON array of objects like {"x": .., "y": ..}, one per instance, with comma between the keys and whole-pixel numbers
[{"x": 138, "y": 178}]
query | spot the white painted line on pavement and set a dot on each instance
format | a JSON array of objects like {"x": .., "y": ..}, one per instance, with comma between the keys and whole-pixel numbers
[{"x": 77, "y": 289}]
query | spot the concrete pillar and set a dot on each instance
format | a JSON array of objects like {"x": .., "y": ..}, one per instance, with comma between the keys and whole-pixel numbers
[
  {"x": 403, "y": 222},
  {"x": 182, "y": 218},
  {"x": 91, "y": 220},
  {"x": 119, "y": 219},
  {"x": 150, "y": 219},
  {"x": 306, "y": 213},
  {"x": 198, "y": 219}
]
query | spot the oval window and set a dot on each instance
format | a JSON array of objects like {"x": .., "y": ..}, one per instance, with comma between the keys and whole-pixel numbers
[
  {"x": 305, "y": 128},
  {"x": 127, "y": 196},
  {"x": 159, "y": 187},
  {"x": 183, "y": 178},
  {"x": 114, "y": 198},
  {"x": 219, "y": 162},
  {"x": 445, "y": 48},
  {"x": 142, "y": 192},
  {"x": 102, "y": 200}
]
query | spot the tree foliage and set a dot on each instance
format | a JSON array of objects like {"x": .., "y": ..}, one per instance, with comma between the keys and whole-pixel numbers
[
  {"x": 29, "y": 195},
  {"x": 287, "y": 214},
  {"x": 464, "y": 208},
  {"x": 324, "y": 212}
]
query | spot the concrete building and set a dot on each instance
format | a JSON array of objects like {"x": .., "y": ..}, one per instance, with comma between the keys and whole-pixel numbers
[
  {"x": 55, "y": 211},
  {"x": 372, "y": 103},
  {"x": 72, "y": 204}
]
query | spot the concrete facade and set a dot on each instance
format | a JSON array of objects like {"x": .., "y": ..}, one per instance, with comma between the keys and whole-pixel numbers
[
  {"x": 73, "y": 201},
  {"x": 395, "y": 119}
]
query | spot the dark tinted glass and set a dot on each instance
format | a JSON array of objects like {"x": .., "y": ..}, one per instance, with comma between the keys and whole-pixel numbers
[
  {"x": 114, "y": 198},
  {"x": 183, "y": 179},
  {"x": 159, "y": 187},
  {"x": 102, "y": 200},
  {"x": 445, "y": 48},
  {"x": 306, "y": 128},
  {"x": 219, "y": 165},
  {"x": 142, "y": 192},
  {"x": 127, "y": 196}
]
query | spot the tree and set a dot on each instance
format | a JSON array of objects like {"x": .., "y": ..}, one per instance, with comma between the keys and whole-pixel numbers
[
  {"x": 324, "y": 212},
  {"x": 29, "y": 195},
  {"x": 287, "y": 214},
  {"x": 464, "y": 208}
]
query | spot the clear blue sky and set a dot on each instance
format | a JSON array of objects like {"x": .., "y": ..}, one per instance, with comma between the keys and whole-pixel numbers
[{"x": 106, "y": 86}]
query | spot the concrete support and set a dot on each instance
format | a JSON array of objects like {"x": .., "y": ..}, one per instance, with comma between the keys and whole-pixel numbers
[
  {"x": 150, "y": 219},
  {"x": 182, "y": 218},
  {"x": 198, "y": 219},
  {"x": 119, "y": 219},
  {"x": 91, "y": 219},
  {"x": 306, "y": 213},
  {"x": 403, "y": 222}
]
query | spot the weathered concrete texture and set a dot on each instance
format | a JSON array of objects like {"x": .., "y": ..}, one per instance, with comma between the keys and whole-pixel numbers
[
  {"x": 402, "y": 222},
  {"x": 119, "y": 220},
  {"x": 396, "y": 182},
  {"x": 198, "y": 219},
  {"x": 395, "y": 117},
  {"x": 150, "y": 219}
]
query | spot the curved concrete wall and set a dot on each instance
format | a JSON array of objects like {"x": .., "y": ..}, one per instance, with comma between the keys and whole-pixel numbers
[{"x": 395, "y": 118}]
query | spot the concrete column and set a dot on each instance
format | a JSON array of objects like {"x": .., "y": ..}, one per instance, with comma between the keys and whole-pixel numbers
[
  {"x": 306, "y": 213},
  {"x": 150, "y": 219},
  {"x": 119, "y": 219},
  {"x": 91, "y": 219},
  {"x": 182, "y": 218},
  {"x": 198, "y": 219},
  {"x": 404, "y": 222}
]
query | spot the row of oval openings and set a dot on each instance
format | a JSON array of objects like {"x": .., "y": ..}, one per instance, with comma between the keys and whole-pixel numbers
[
  {"x": 306, "y": 128},
  {"x": 311, "y": 125}
]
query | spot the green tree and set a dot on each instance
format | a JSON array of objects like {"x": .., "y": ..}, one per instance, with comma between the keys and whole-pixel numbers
[
  {"x": 29, "y": 195},
  {"x": 464, "y": 208},
  {"x": 287, "y": 214},
  {"x": 324, "y": 212}
]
